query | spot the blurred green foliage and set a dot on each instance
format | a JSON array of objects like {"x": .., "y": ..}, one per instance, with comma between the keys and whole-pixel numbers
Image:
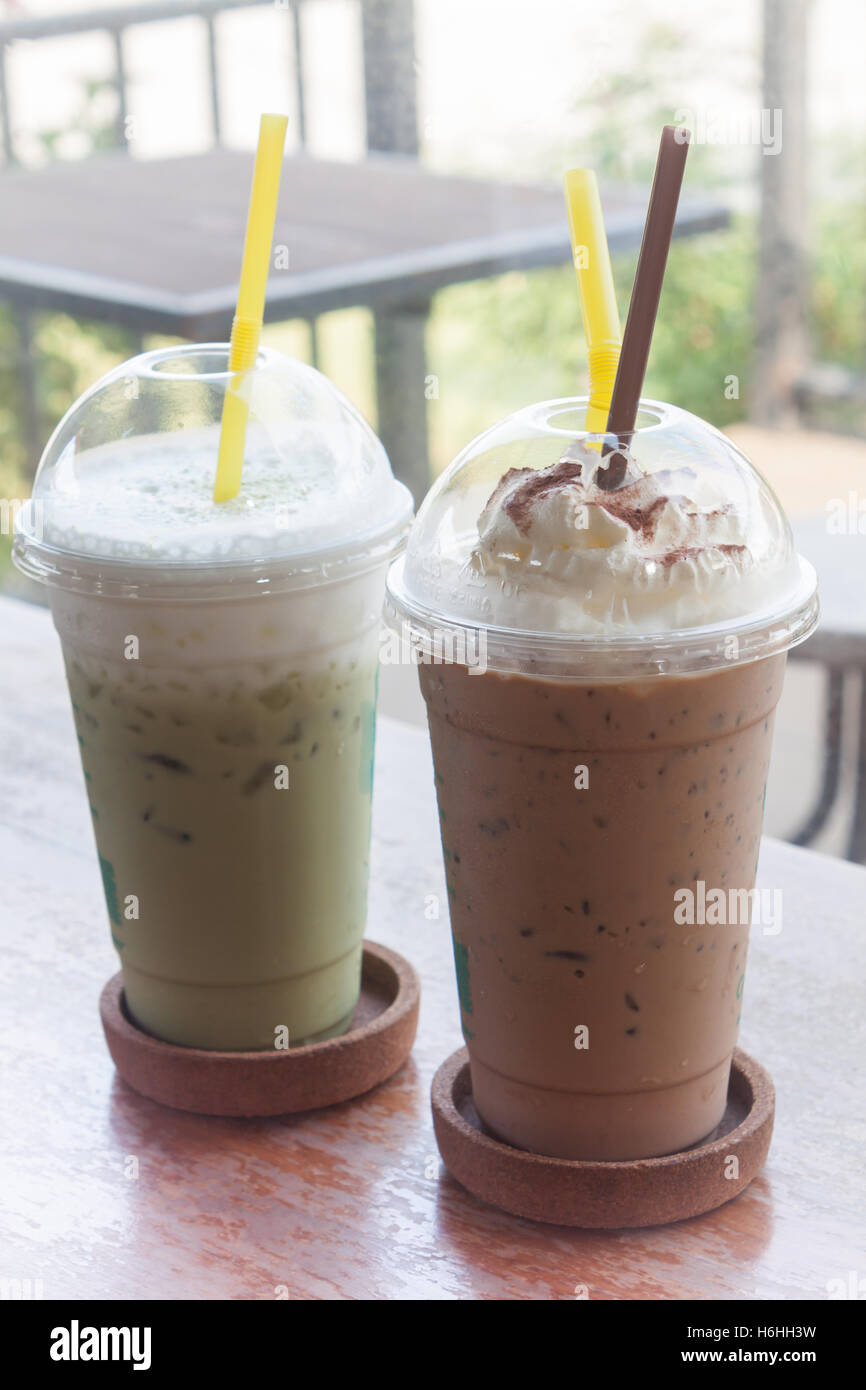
[
  {"x": 499, "y": 344},
  {"x": 496, "y": 345},
  {"x": 837, "y": 308},
  {"x": 703, "y": 337},
  {"x": 68, "y": 354}
]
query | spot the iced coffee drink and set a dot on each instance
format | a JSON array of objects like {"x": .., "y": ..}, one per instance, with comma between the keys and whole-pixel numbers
[
  {"x": 604, "y": 767},
  {"x": 222, "y": 666}
]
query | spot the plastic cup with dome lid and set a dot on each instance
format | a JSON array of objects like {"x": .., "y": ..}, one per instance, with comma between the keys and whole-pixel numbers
[
  {"x": 601, "y": 620},
  {"x": 222, "y": 661}
]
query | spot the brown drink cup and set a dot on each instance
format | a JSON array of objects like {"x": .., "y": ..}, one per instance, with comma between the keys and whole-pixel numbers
[{"x": 600, "y": 763}]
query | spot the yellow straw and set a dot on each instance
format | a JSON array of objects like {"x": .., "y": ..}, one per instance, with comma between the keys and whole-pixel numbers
[
  {"x": 597, "y": 296},
  {"x": 247, "y": 322}
]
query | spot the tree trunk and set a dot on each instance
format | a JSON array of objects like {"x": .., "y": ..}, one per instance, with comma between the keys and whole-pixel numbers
[{"x": 781, "y": 346}]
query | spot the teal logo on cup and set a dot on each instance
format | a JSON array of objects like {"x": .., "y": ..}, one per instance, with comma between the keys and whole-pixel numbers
[
  {"x": 461, "y": 964},
  {"x": 109, "y": 886}
]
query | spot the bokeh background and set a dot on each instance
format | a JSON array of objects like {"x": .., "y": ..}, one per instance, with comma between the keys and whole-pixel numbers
[{"x": 515, "y": 92}]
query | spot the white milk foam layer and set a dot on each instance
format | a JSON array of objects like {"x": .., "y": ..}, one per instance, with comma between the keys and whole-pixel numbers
[
  {"x": 150, "y": 498},
  {"x": 250, "y": 640}
]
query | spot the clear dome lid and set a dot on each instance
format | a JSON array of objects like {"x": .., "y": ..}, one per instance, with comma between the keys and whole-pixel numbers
[
  {"x": 124, "y": 491},
  {"x": 569, "y": 551}
]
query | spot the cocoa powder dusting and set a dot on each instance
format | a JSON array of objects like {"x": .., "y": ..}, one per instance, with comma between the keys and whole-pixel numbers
[
  {"x": 686, "y": 552},
  {"x": 519, "y": 505},
  {"x": 639, "y": 518}
]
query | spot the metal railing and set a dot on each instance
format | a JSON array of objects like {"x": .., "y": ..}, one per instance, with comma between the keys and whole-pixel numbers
[
  {"x": 115, "y": 22},
  {"x": 387, "y": 29}
]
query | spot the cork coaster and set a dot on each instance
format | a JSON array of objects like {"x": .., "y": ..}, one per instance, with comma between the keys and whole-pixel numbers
[
  {"x": 573, "y": 1192},
  {"x": 378, "y": 1041}
]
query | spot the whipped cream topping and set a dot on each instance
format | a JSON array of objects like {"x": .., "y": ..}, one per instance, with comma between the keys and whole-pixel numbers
[{"x": 557, "y": 551}]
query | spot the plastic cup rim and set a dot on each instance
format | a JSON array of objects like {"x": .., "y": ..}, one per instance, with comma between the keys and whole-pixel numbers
[
  {"x": 148, "y": 364},
  {"x": 801, "y": 602}
]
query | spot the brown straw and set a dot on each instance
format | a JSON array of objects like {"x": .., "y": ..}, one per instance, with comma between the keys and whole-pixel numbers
[{"x": 645, "y": 295}]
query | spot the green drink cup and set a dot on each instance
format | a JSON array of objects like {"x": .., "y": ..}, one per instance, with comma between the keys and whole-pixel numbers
[{"x": 222, "y": 663}]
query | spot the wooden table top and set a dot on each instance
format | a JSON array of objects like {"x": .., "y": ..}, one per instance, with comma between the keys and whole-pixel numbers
[
  {"x": 353, "y": 1202},
  {"x": 157, "y": 243}
]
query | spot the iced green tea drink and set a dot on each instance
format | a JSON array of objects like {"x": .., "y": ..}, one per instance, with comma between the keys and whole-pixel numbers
[{"x": 222, "y": 663}]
